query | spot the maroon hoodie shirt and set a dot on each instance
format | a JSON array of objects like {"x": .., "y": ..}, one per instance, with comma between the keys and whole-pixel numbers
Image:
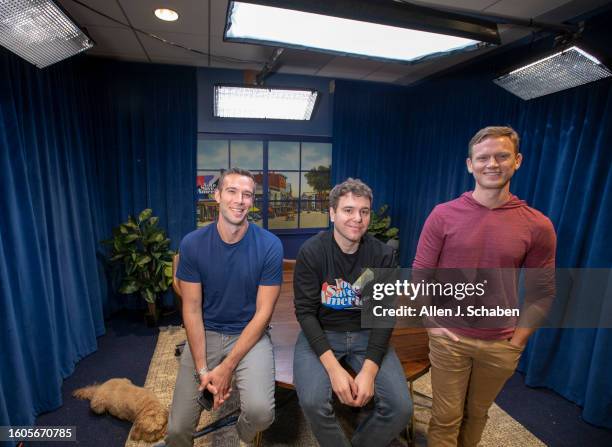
[{"x": 463, "y": 233}]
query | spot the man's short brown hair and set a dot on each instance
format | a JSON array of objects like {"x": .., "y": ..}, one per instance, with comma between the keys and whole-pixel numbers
[
  {"x": 239, "y": 171},
  {"x": 350, "y": 185},
  {"x": 494, "y": 132}
]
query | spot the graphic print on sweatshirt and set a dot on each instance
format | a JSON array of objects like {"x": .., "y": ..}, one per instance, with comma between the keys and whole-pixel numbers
[{"x": 343, "y": 295}]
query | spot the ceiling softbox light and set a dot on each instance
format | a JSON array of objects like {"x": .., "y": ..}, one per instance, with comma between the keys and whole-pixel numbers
[
  {"x": 40, "y": 32},
  {"x": 561, "y": 70},
  {"x": 376, "y": 30},
  {"x": 264, "y": 102}
]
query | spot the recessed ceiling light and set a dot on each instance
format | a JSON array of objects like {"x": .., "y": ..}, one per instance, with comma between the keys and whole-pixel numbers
[{"x": 167, "y": 15}]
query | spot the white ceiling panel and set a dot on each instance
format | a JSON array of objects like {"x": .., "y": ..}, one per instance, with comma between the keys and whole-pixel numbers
[
  {"x": 297, "y": 70},
  {"x": 234, "y": 66},
  {"x": 200, "y": 19},
  {"x": 382, "y": 76},
  {"x": 572, "y": 9},
  {"x": 193, "y": 15},
  {"x": 431, "y": 67},
  {"x": 350, "y": 67},
  {"x": 343, "y": 75},
  {"x": 389, "y": 73},
  {"x": 86, "y": 17},
  {"x": 243, "y": 51},
  {"x": 119, "y": 56},
  {"x": 509, "y": 34},
  {"x": 218, "y": 11},
  {"x": 524, "y": 10},
  {"x": 305, "y": 64},
  {"x": 157, "y": 48},
  {"x": 468, "y": 5},
  {"x": 115, "y": 40},
  {"x": 202, "y": 62},
  {"x": 308, "y": 60}
]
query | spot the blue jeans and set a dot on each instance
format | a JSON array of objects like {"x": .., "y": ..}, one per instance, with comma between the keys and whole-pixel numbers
[{"x": 392, "y": 404}]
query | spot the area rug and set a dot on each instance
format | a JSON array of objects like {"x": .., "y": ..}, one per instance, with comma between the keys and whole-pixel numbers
[{"x": 290, "y": 428}]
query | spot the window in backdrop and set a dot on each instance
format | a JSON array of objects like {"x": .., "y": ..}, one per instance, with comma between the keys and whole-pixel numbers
[{"x": 293, "y": 180}]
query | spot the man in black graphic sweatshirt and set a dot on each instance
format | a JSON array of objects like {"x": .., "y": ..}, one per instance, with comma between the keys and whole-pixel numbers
[{"x": 328, "y": 308}]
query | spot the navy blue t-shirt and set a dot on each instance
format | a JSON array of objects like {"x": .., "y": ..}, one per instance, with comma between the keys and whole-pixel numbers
[{"x": 230, "y": 273}]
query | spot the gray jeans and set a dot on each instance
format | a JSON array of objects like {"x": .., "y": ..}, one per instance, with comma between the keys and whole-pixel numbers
[{"x": 254, "y": 379}]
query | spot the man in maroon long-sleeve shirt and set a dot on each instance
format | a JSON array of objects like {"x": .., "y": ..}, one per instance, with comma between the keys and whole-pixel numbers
[{"x": 483, "y": 229}]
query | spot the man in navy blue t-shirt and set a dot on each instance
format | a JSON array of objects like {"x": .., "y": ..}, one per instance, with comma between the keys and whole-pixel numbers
[{"x": 230, "y": 273}]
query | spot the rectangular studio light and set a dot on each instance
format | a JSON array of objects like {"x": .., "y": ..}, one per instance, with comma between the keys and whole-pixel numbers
[
  {"x": 562, "y": 70},
  {"x": 397, "y": 32},
  {"x": 40, "y": 32},
  {"x": 264, "y": 102}
]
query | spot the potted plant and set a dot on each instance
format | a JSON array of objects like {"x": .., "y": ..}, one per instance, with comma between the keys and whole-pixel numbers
[
  {"x": 139, "y": 249},
  {"x": 380, "y": 227}
]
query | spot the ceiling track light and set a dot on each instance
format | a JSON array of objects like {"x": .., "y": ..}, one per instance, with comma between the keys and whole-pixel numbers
[
  {"x": 269, "y": 67},
  {"x": 377, "y": 30},
  {"x": 40, "y": 31}
]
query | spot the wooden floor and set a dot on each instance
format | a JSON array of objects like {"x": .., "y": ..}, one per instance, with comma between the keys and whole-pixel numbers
[{"x": 411, "y": 344}]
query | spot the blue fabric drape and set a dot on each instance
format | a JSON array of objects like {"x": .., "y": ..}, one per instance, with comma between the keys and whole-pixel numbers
[
  {"x": 82, "y": 144},
  {"x": 51, "y": 292},
  {"x": 410, "y": 145},
  {"x": 146, "y": 146}
]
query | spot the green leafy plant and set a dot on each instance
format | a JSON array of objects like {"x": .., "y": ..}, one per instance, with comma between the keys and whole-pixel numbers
[
  {"x": 139, "y": 250},
  {"x": 380, "y": 225}
]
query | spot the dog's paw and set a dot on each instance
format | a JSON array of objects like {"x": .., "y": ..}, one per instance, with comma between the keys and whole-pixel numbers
[
  {"x": 138, "y": 434},
  {"x": 85, "y": 393}
]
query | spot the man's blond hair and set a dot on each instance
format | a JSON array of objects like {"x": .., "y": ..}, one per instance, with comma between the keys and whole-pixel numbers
[{"x": 494, "y": 132}]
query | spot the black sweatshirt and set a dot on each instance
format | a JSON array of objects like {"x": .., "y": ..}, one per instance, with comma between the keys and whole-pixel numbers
[{"x": 324, "y": 298}]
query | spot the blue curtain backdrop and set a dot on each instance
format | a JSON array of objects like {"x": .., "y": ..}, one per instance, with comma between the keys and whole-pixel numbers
[
  {"x": 82, "y": 144},
  {"x": 410, "y": 145},
  {"x": 146, "y": 147}
]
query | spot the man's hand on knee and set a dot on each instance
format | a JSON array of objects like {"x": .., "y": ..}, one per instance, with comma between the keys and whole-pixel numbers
[
  {"x": 205, "y": 382},
  {"x": 220, "y": 381},
  {"x": 343, "y": 385},
  {"x": 365, "y": 382}
]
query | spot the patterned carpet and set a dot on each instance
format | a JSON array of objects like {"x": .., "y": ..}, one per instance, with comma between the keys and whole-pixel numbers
[{"x": 290, "y": 427}]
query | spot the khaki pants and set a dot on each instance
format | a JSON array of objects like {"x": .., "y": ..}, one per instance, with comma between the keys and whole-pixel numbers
[{"x": 466, "y": 376}]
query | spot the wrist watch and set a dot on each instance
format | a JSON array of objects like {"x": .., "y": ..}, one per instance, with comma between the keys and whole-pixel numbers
[{"x": 200, "y": 372}]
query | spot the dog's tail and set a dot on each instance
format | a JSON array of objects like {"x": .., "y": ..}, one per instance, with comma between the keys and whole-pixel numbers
[{"x": 85, "y": 393}]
